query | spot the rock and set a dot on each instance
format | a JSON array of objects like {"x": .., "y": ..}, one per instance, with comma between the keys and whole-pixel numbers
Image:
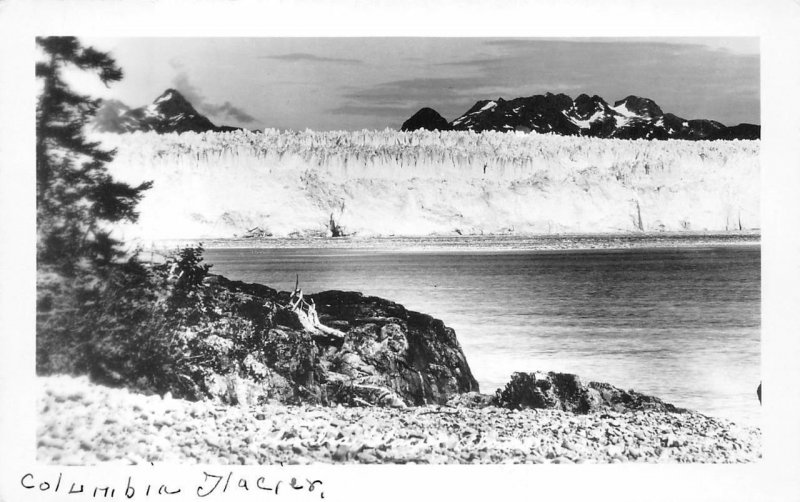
[
  {"x": 622, "y": 400},
  {"x": 563, "y": 391},
  {"x": 471, "y": 400},
  {"x": 410, "y": 354},
  {"x": 365, "y": 394},
  {"x": 253, "y": 350},
  {"x": 341, "y": 454},
  {"x": 540, "y": 390},
  {"x": 367, "y": 457},
  {"x": 669, "y": 441}
]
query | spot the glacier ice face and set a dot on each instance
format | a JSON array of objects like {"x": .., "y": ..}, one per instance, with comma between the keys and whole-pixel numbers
[{"x": 219, "y": 185}]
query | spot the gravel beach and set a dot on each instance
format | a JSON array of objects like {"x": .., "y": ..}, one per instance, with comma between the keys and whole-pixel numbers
[{"x": 83, "y": 424}]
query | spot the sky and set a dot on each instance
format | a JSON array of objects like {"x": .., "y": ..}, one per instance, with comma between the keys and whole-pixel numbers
[{"x": 374, "y": 83}]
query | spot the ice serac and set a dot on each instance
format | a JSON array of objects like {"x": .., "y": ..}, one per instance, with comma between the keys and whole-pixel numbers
[
  {"x": 428, "y": 119},
  {"x": 221, "y": 185}
]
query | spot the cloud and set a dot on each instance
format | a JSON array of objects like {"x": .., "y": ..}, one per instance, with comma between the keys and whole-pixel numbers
[
  {"x": 303, "y": 56},
  {"x": 450, "y": 96},
  {"x": 693, "y": 80},
  {"x": 182, "y": 84},
  {"x": 227, "y": 109},
  {"x": 398, "y": 99},
  {"x": 371, "y": 110}
]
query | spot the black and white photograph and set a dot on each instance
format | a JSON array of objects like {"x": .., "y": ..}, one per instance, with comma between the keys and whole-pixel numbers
[
  {"x": 332, "y": 271},
  {"x": 294, "y": 252}
]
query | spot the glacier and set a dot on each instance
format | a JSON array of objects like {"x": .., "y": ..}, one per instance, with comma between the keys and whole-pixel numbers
[{"x": 381, "y": 183}]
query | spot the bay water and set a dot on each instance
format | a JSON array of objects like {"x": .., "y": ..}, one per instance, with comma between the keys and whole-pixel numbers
[{"x": 682, "y": 324}]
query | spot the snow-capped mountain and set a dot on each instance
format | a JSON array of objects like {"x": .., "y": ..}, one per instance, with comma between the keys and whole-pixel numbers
[
  {"x": 170, "y": 112},
  {"x": 630, "y": 118}
]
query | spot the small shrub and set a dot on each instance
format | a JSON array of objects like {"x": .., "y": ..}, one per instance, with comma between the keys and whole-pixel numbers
[{"x": 137, "y": 326}]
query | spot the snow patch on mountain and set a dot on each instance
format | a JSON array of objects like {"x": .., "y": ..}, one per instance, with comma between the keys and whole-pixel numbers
[
  {"x": 620, "y": 121},
  {"x": 623, "y": 110},
  {"x": 586, "y": 124},
  {"x": 165, "y": 97},
  {"x": 488, "y": 106}
]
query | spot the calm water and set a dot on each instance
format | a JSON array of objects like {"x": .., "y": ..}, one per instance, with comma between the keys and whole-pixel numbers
[{"x": 682, "y": 324}]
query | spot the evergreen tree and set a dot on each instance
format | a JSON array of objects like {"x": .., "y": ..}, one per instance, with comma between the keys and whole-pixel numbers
[{"x": 76, "y": 197}]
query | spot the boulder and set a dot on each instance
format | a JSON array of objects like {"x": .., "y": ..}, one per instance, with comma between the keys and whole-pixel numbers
[
  {"x": 408, "y": 353},
  {"x": 471, "y": 400},
  {"x": 566, "y": 392}
]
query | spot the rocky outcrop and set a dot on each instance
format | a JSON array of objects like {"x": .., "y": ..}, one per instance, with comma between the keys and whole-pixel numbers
[
  {"x": 566, "y": 392},
  {"x": 389, "y": 356},
  {"x": 411, "y": 354}
]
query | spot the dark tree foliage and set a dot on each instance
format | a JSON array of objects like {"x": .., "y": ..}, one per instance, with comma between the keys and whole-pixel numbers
[
  {"x": 120, "y": 321},
  {"x": 76, "y": 197},
  {"x": 137, "y": 327}
]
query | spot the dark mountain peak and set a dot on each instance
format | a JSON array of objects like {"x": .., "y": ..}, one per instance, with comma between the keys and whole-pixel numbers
[
  {"x": 672, "y": 116},
  {"x": 481, "y": 105},
  {"x": 109, "y": 116},
  {"x": 643, "y": 107},
  {"x": 169, "y": 94},
  {"x": 632, "y": 118},
  {"x": 585, "y": 99},
  {"x": 113, "y": 104},
  {"x": 426, "y": 118},
  {"x": 586, "y": 106},
  {"x": 172, "y": 102},
  {"x": 170, "y": 112},
  {"x": 741, "y": 131},
  {"x": 559, "y": 101}
]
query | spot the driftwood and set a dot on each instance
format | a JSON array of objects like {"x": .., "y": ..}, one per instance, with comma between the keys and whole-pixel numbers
[
  {"x": 307, "y": 315},
  {"x": 255, "y": 233},
  {"x": 335, "y": 229}
]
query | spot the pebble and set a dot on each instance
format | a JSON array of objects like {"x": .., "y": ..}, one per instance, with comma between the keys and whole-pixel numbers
[{"x": 81, "y": 423}]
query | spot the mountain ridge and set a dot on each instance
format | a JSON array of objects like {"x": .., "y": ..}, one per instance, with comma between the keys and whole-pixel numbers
[
  {"x": 632, "y": 117},
  {"x": 169, "y": 112}
]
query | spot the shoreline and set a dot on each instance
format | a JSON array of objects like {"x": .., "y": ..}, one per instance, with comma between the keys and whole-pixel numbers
[
  {"x": 483, "y": 243},
  {"x": 115, "y": 425}
]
